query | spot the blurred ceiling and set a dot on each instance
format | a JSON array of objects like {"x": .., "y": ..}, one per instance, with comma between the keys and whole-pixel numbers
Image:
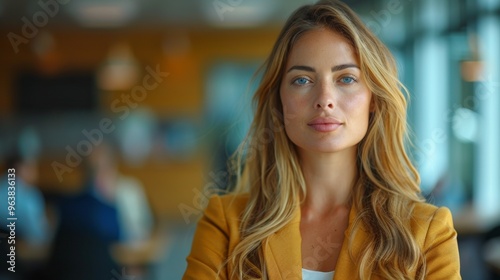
[{"x": 149, "y": 13}]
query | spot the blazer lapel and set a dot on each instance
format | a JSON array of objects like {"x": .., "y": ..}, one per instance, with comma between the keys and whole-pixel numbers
[
  {"x": 346, "y": 265},
  {"x": 283, "y": 252}
]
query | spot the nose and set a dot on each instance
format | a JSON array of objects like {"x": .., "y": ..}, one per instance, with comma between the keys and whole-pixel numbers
[{"x": 325, "y": 97}]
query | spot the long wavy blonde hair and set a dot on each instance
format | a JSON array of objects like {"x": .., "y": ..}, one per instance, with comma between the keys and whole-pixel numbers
[{"x": 267, "y": 166}]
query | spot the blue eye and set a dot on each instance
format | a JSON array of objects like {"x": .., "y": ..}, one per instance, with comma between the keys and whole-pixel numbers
[
  {"x": 347, "y": 80},
  {"x": 301, "y": 81}
]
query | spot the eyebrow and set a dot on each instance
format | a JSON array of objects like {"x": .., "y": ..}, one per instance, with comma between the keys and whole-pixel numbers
[{"x": 334, "y": 68}]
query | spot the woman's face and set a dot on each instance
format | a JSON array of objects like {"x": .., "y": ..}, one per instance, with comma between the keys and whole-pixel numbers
[{"x": 326, "y": 103}]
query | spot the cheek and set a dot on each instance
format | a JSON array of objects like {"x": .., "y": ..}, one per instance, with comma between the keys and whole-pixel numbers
[
  {"x": 291, "y": 108},
  {"x": 359, "y": 105},
  {"x": 290, "y": 115}
]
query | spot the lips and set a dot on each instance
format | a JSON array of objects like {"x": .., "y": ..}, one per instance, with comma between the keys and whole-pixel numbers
[{"x": 325, "y": 124}]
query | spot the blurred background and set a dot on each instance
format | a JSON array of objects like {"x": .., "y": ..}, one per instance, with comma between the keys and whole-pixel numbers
[{"x": 119, "y": 115}]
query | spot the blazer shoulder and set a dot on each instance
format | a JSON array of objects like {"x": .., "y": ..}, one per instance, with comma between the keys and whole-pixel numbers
[
  {"x": 229, "y": 206},
  {"x": 429, "y": 220},
  {"x": 234, "y": 199},
  {"x": 427, "y": 213},
  {"x": 216, "y": 235},
  {"x": 434, "y": 230},
  {"x": 424, "y": 210}
]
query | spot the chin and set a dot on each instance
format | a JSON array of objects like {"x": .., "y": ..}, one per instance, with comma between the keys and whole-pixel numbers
[{"x": 326, "y": 148}]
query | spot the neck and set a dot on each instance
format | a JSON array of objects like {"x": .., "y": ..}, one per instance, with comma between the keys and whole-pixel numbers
[{"x": 329, "y": 179}]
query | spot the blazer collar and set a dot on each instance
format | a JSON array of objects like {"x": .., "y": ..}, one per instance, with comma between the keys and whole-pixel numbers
[{"x": 283, "y": 255}]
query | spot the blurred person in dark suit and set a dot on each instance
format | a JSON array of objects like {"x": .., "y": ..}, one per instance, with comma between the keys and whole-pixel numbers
[{"x": 124, "y": 193}]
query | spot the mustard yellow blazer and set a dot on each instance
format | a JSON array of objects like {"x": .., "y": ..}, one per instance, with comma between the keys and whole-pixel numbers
[{"x": 217, "y": 234}]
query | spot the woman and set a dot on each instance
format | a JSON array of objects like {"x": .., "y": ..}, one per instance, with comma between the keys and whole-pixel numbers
[{"x": 333, "y": 194}]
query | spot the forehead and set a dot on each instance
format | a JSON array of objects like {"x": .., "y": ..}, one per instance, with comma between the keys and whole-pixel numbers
[{"x": 322, "y": 45}]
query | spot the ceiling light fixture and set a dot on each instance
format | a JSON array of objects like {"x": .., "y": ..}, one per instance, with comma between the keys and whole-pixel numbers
[{"x": 104, "y": 14}]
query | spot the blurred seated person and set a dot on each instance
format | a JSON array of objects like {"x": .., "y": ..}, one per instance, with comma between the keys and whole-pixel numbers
[
  {"x": 125, "y": 193},
  {"x": 111, "y": 208},
  {"x": 31, "y": 224},
  {"x": 31, "y": 227},
  {"x": 126, "y": 215}
]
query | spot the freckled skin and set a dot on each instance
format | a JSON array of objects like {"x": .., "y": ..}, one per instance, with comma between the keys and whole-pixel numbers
[{"x": 340, "y": 93}]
